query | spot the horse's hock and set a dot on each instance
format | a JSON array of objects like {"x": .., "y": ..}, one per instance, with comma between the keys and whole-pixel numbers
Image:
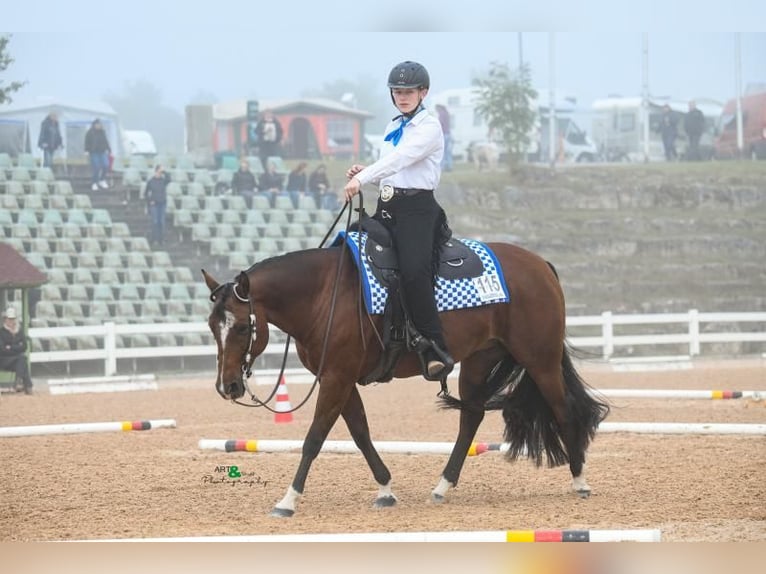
[{"x": 643, "y": 246}]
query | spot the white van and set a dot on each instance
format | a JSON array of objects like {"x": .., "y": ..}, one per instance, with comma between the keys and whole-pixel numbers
[{"x": 138, "y": 142}]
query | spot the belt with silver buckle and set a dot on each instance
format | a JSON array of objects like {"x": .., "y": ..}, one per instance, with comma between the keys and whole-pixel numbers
[{"x": 387, "y": 192}]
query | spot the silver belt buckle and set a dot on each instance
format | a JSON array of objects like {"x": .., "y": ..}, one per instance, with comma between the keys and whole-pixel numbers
[{"x": 386, "y": 193}]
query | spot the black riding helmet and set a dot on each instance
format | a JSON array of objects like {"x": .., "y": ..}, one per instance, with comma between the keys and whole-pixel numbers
[{"x": 409, "y": 75}]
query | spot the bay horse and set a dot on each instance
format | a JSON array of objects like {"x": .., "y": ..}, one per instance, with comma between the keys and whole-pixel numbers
[{"x": 513, "y": 357}]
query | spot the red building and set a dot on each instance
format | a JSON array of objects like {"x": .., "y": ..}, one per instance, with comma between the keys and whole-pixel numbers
[{"x": 313, "y": 128}]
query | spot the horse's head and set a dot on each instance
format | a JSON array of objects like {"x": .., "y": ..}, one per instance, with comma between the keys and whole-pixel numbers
[{"x": 241, "y": 333}]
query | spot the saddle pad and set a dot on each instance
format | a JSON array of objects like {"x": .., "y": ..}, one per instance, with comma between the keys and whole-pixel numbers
[{"x": 486, "y": 289}]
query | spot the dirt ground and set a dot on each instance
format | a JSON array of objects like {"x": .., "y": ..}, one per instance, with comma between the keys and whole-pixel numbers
[{"x": 152, "y": 484}]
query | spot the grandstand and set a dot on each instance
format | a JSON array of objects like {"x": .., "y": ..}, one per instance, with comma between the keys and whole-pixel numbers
[{"x": 93, "y": 245}]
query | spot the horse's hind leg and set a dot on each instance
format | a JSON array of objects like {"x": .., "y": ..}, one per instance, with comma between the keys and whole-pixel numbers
[
  {"x": 356, "y": 420},
  {"x": 473, "y": 393}
]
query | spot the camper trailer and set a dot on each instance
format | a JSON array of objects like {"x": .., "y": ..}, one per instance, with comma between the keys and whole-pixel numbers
[
  {"x": 618, "y": 127},
  {"x": 469, "y": 128}
]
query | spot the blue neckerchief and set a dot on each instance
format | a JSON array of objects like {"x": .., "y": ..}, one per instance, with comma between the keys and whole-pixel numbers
[{"x": 396, "y": 135}]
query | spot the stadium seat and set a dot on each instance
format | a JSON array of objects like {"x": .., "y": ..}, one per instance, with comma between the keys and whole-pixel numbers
[
  {"x": 140, "y": 245},
  {"x": 204, "y": 177},
  {"x": 14, "y": 188},
  {"x": 200, "y": 232},
  {"x": 71, "y": 230},
  {"x": 21, "y": 174},
  {"x": 131, "y": 178},
  {"x": 111, "y": 260},
  {"x": 291, "y": 244},
  {"x": 174, "y": 190},
  {"x": 101, "y": 217},
  {"x": 27, "y": 217},
  {"x": 307, "y": 202},
  {"x": 161, "y": 259},
  {"x": 150, "y": 310},
  {"x": 261, "y": 202},
  {"x": 243, "y": 245},
  {"x": 179, "y": 292},
  {"x": 86, "y": 342},
  {"x": 129, "y": 292},
  {"x": 219, "y": 246},
  {"x": 56, "y": 202},
  {"x": 103, "y": 293},
  {"x": 235, "y": 203},
  {"x": 183, "y": 275},
  {"x": 300, "y": 216},
  {"x": 268, "y": 245},
  {"x": 283, "y": 202},
  {"x": 81, "y": 201},
  {"x": 239, "y": 261},
  {"x": 182, "y": 218},
  {"x": 195, "y": 189},
  {"x": 63, "y": 189},
  {"x": 77, "y": 292},
  {"x": 44, "y": 174},
  {"x": 98, "y": 231},
  {"x": 71, "y": 309},
  {"x": 77, "y": 216},
  {"x": 125, "y": 310},
  {"x": 115, "y": 245},
  {"x": 65, "y": 245},
  {"x": 99, "y": 310},
  {"x": 21, "y": 231},
  {"x": 278, "y": 163},
  {"x": 213, "y": 203},
  {"x": 38, "y": 189},
  {"x": 277, "y": 216},
  {"x": 272, "y": 230},
  {"x": 199, "y": 291},
  {"x": 155, "y": 291},
  {"x": 119, "y": 229},
  {"x": 138, "y": 162},
  {"x": 52, "y": 217},
  {"x": 207, "y": 217},
  {"x": 200, "y": 309},
  {"x": 107, "y": 276},
  {"x": 90, "y": 245},
  {"x": 255, "y": 218},
  {"x": 88, "y": 260},
  {"x": 224, "y": 176},
  {"x": 82, "y": 276},
  {"x": 178, "y": 175},
  {"x": 157, "y": 276},
  {"x": 295, "y": 230},
  {"x": 5, "y": 161},
  {"x": 56, "y": 276},
  {"x": 135, "y": 275},
  {"x": 189, "y": 203},
  {"x": 255, "y": 164},
  {"x": 51, "y": 293},
  {"x": 176, "y": 311},
  {"x": 10, "y": 203},
  {"x": 225, "y": 231}
]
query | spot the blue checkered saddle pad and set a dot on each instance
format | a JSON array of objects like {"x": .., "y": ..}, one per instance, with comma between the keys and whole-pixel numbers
[{"x": 484, "y": 288}]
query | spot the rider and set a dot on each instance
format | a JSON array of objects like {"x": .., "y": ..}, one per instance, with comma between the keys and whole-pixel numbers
[{"x": 407, "y": 174}]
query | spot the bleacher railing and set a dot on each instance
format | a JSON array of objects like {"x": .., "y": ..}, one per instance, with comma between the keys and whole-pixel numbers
[{"x": 692, "y": 330}]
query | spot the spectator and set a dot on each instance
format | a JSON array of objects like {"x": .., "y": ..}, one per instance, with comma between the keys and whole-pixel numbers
[
  {"x": 243, "y": 182},
  {"x": 269, "y": 135},
  {"x": 270, "y": 182},
  {"x": 319, "y": 186},
  {"x": 694, "y": 126},
  {"x": 156, "y": 200},
  {"x": 50, "y": 138},
  {"x": 668, "y": 131},
  {"x": 297, "y": 182},
  {"x": 99, "y": 150},
  {"x": 444, "y": 120},
  {"x": 13, "y": 351}
]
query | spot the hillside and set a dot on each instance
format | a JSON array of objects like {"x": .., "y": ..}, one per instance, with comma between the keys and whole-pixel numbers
[{"x": 629, "y": 238}]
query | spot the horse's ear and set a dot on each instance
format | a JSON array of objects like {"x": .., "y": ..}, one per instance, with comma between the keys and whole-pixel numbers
[
  {"x": 243, "y": 283},
  {"x": 212, "y": 284}
]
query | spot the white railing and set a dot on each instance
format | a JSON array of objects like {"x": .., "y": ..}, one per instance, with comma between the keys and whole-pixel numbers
[{"x": 690, "y": 334}]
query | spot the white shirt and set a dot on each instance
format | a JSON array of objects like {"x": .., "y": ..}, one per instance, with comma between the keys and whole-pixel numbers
[{"x": 415, "y": 162}]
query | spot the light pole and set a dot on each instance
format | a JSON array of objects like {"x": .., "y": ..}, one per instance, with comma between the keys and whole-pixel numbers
[{"x": 738, "y": 88}]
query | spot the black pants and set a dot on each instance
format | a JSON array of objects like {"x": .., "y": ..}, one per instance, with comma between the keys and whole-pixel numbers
[
  {"x": 18, "y": 365},
  {"x": 414, "y": 222}
]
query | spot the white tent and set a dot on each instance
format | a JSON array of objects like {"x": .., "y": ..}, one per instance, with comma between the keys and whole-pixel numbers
[{"x": 20, "y": 126}]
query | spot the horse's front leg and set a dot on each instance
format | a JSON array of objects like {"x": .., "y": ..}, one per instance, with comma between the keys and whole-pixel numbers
[
  {"x": 356, "y": 420},
  {"x": 331, "y": 399}
]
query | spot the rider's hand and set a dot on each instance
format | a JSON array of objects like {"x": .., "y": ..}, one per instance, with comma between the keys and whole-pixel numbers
[
  {"x": 353, "y": 170},
  {"x": 352, "y": 188}
]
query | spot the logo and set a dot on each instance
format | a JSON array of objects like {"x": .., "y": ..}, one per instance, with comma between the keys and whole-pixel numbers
[
  {"x": 233, "y": 476},
  {"x": 386, "y": 193}
]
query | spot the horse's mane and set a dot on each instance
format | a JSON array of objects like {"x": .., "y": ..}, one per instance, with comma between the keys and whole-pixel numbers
[{"x": 284, "y": 258}]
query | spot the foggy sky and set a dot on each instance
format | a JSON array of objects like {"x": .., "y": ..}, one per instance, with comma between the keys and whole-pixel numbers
[{"x": 238, "y": 49}]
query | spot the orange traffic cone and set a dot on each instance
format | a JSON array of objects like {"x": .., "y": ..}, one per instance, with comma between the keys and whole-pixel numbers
[{"x": 283, "y": 404}]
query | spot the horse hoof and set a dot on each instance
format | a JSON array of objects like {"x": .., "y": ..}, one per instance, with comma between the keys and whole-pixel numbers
[
  {"x": 282, "y": 513},
  {"x": 437, "y": 498},
  {"x": 385, "y": 502},
  {"x": 583, "y": 493}
]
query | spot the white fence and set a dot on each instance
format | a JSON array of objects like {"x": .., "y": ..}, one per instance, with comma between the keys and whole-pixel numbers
[{"x": 692, "y": 330}]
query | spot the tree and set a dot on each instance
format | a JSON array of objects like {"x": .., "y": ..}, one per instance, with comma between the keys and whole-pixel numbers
[
  {"x": 505, "y": 102},
  {"x": 5, "y": 61}
]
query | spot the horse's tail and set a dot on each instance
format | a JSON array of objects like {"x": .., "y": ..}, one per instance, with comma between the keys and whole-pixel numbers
[{"x": 531, "y": 429}]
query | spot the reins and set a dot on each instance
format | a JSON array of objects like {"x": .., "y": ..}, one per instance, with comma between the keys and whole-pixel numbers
[{"x": 248, "y": 359}]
